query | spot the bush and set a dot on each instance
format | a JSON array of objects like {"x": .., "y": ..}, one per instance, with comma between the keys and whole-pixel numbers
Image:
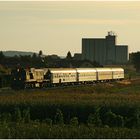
[
  {"x": 17, "y": 116},
  {"x": 59, "y": 117},
  {"x": 134, "y": 120},
  {"x": 113, "y": 120},
  {"x": 5, "y": 117},
  {"x": 74, "y": 121},
  {"x": 48, "y": 121},
  {"x": 26, "y": 115},
  {"x": 94, "y": 119}
]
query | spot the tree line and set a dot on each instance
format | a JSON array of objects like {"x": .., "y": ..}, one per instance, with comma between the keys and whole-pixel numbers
[
  {"x": 135, "y": 60},
  {"x": 39, "y": 61}
]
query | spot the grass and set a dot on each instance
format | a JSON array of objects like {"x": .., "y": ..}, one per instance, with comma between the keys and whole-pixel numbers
[{"x": 102, "y": 93}]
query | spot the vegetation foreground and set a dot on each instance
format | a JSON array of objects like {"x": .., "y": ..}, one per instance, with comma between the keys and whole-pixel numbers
[{"x": 107, "y": 110}]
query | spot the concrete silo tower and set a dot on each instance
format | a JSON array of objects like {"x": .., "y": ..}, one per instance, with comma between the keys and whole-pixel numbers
[{"x": 111, "y": 48}]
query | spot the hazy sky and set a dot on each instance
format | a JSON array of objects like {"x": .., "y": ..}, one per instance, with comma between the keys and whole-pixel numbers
[{"x": 58, "y": 27}]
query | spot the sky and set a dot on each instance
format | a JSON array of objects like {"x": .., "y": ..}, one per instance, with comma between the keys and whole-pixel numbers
[{"x": 56, "y": 27}]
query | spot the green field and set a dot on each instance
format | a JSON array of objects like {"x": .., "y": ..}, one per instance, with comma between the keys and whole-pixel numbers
[{"x": 107, "y": 110}]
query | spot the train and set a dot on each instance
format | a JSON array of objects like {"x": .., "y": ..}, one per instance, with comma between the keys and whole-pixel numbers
[{"x": 48, "y": 77}]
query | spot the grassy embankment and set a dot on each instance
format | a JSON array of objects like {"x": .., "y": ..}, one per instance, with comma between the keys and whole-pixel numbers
[{"x": 98, "y": 111}]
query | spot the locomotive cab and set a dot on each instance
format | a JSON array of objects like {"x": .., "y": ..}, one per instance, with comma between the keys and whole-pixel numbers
[{"x": 18, "y": 77}]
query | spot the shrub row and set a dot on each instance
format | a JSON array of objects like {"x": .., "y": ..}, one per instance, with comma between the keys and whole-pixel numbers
[
  {"x": 98, "y": 118},
  {"x": 36, "y": 130}
]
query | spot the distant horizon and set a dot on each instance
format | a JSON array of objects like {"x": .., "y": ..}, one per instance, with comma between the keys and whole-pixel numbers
[
  {"x": 50, "y": 54},
  {"x": 32, "y": 52},
  {"x": 56, "y": 27}
]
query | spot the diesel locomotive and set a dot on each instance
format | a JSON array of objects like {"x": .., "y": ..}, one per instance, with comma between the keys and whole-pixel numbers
[{"x": 46, "y": 77}]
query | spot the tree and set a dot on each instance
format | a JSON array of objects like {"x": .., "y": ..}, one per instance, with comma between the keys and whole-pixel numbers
[
  {"x": 135, "y": 59},
  {"x": 69, "y": 57},
  {"x": 1, "y": 54},
  {"x": 34, "y": 55},
  {"x": 40, "y": 53},
  {"x": 1, "y": 57}
]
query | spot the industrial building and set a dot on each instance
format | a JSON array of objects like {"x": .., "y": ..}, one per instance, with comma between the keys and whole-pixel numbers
[{"x": 104, "y": 50}]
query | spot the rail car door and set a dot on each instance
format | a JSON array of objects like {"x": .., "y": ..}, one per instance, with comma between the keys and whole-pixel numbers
[{"x": 77, "y": 76}]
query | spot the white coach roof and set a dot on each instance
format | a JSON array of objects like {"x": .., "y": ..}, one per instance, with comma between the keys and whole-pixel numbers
[
  {"x": 62, "y": 70},
  {"x": 86, "y": 70},
  {"x": 117, "y": 69},
  {"x": 103, "y": 69}
]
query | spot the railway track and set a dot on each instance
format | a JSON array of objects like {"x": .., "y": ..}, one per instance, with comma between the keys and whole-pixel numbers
[
  {"x": 7, "y": 89},
  {"x": 125, "y": 82}
]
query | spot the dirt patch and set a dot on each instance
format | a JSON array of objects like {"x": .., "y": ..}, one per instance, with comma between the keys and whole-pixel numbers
[
  {"x": 124, "y": 82},
  {"x": 109, "y": 85}
]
